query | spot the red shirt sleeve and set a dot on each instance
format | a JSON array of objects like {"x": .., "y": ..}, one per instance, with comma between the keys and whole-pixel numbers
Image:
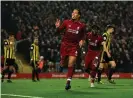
[
  {"x": 88, "y": 35},
  {"x": 83, "y": 37},
  {"x": 100, "y": 39}
]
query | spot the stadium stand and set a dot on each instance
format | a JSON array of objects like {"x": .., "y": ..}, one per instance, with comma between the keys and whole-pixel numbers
[{"x": 29, "y": 19}]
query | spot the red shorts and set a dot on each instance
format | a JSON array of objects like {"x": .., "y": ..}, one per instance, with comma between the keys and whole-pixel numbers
[
  {"x": 91, "y": 61},
  {"x": 67, "y": 50}
]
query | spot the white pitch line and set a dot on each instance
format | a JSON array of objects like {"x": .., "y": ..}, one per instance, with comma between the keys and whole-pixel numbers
[{"x": 13, "y": 95}]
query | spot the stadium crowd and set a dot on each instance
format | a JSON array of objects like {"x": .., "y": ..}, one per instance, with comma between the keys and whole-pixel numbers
[{"x": 38, "y": 19}]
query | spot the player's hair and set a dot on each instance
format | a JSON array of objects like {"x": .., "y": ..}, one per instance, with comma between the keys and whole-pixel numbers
[
  {"x": 79, "y": 12},
  {"x": 110, "y": 26},
  {"x": 35, "y": 38},
  {"x": 11, "y": 34},
  {"x": 94, "y": 27}
]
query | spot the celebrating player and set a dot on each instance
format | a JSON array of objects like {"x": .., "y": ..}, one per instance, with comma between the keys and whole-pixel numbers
[
  {"x": 94, "y": 50},
  {"x": 72, "y": 39},
  {"x": 9, "y": 57},
  {"x": 106, "y": 57}
]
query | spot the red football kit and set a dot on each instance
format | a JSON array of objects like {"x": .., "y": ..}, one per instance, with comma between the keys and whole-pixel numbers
[
  {"x": 74, "y": 33},
  {"x": 94, "y": 50}
]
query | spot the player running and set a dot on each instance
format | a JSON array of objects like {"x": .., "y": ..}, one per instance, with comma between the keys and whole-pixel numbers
[
  {"x": 106, "y": 57},
  {"x": 73, "y": 37},
  {"x": 94, "y": 50}
]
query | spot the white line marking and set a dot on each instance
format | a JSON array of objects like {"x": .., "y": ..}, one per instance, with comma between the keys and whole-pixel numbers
[{"x": 13, "y": 95}]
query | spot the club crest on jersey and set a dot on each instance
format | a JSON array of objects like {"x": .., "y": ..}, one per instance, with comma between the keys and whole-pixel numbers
[
  {"x": 95, "y": 41},
  {"x": 69, "y": 25},
  {"x": 77, "y": 28}
]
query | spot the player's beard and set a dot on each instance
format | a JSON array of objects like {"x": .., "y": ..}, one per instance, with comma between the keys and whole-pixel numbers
[{"x": 75, "y": 19}]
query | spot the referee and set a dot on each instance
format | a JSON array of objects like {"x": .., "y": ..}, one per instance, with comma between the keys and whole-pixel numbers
[
  {"x": 34, "y": 54},
  {"x": 106, "y": 57},
  {"x": 9, "y": 58}
]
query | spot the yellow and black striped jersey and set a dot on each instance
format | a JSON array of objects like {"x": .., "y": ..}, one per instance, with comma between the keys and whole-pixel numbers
[
  {"x": 34, "y": 52},
  {"x": 107, "y": 38},
  {"x": 9, "y": 49}
]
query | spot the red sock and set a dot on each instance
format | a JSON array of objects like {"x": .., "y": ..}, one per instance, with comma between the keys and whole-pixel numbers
[
  {"x": 69, "y": 74},
  {"x": 93, "y": 74},
  {"x": 92, "y": 80}
]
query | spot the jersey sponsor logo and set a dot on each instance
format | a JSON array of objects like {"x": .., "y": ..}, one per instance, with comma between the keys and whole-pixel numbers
[
  {"x": 93, "y": 44},
  {"x": 73, "y": 31}
]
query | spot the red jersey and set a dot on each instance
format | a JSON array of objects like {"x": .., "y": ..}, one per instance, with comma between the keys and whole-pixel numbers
[
  {"x": 74, "y": 32},
  {"x": 94, "y": 41}
]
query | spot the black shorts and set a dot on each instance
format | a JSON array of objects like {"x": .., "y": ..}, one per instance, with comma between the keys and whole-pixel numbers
[
  {"x": 34, "y": 64},
  {"x": 106, "y": 59},
  {"x": 10, "y": 62}
]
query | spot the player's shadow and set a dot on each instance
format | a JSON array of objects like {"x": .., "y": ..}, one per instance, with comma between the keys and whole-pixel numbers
[
  {"x": 121, "y": 85},
  {"x": 82, "y": 92},
  {"x": 103, "y": 88}
]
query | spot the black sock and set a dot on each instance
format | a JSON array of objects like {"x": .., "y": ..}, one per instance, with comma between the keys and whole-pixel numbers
[
  {"x": 3, "y": 74},
  {"x": 37, "y": 75},
  {"x": 9, "y": 74},
  {"x": 111, "y": 71},
  {"x": 33, "y": 74},
  {"x": 61, "y": 69},
  {"x": 87, "y": 71},
  {"x": 99, "y": 74}
]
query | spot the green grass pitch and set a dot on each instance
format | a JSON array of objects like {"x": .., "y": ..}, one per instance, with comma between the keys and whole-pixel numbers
[{"x": 54, "y": 88}]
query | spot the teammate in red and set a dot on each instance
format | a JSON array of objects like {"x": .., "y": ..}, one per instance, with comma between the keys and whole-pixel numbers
[
  {"x": 94, "y": 50},
  {"x": 73, "y": 38}
]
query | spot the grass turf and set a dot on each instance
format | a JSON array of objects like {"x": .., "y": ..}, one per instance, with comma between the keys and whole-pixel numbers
[{"x": 54, "y": 88}]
